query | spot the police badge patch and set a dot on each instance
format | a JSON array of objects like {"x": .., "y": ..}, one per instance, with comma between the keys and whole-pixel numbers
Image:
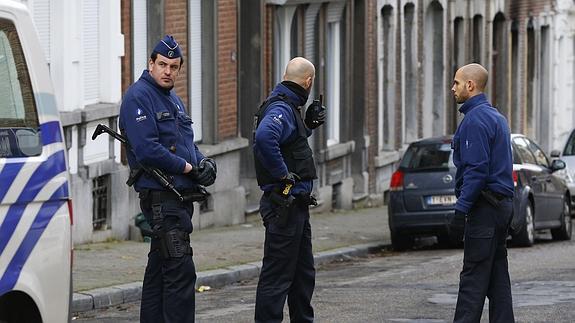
[{"x": 140, "y": 117}]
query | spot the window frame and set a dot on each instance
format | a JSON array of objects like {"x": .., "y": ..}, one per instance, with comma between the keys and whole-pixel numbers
[
  {"x": 517, "y": 142},
  {"x": 533, "y": 147}
]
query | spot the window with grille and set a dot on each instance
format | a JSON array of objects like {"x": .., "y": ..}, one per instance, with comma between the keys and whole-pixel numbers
[{"x": 101, "y": 203}]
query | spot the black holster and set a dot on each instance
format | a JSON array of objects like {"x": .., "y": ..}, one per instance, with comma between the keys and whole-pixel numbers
[
  {"x": 282, "y": 207},
  {"x": 174, "y": 243},
  {"x": 492, "y": 198}
]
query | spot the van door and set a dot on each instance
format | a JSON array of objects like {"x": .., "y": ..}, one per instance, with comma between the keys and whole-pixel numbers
[{"x": 35, "y": 233}]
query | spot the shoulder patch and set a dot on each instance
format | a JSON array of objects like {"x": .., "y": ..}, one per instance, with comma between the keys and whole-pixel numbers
[
  {"x": 277, "y": 119},
  {"x": 141, "y": 117}
]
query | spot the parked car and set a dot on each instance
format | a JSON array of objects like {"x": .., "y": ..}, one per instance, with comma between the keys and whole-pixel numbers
[
  {"x": 422, "y": 199},
  {"x": 567, "y": 154}
]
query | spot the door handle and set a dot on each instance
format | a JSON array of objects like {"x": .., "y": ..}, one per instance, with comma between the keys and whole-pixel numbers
[{"x": 548, "y": 180}]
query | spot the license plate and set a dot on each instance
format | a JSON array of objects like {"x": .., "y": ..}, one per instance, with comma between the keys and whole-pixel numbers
[{"x": 441, "y": 200}]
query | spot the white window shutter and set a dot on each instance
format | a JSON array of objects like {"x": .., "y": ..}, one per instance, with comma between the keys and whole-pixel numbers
[
  {"x": 42, "y": 15},
  {"x": 195, "y": 66},
  {"x": 334, "y": 11},
  {"x": 91, "y": 49},
  {"x": 140, "y": 38}
]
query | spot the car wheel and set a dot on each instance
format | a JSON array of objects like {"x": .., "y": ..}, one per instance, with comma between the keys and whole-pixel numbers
[
  {"x": 401, "y": 242},
  {"x": 525, "y": 237},
  {"x": 563, "y": 232}
]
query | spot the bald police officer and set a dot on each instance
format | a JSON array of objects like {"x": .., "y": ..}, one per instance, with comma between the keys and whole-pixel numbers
[
  {"x": 160, "y": 134},
  {"x": 285, "y": 170},
  {"x": 484, "y": 190}
]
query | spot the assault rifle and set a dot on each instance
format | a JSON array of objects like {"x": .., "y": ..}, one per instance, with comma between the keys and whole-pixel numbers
[{"x": 155, "y": 173}]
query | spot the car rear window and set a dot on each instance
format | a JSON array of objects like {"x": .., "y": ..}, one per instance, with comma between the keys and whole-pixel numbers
[{"x": 427, "y": 157}]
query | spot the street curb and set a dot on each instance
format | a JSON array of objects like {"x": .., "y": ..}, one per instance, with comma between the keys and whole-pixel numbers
[{"x": 114, "y": 295}]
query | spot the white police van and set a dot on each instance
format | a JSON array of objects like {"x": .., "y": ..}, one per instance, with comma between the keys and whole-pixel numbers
[{"x": 35, "y": 205}]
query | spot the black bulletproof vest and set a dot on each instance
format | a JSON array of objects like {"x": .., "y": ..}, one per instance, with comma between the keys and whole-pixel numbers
[{"x": 296, "y": 154}]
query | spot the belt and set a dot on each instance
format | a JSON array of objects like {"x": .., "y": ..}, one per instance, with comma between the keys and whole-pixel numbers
[
  {"x": 493, "y": 198},
  {"x": 498, "y": 196},
  {"x": 157, "y": 195},
  {"x": 303, "y": 199}
]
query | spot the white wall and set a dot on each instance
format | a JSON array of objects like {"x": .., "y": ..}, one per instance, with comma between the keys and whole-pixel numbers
[{"x": 563, "y": 73}]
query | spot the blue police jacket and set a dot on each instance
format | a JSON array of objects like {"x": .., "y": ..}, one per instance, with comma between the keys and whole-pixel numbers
[
  {"x": 481, "y": 153},
  {"x": 277, "y": 127},
  {"x": 160, "y": 133}
]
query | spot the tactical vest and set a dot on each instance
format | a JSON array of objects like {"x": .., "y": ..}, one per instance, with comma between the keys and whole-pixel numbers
[{"x": 296, "y": 154}]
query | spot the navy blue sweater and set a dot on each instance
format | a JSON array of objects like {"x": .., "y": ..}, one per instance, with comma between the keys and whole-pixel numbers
[
  {"x": 160, "y": 133},
  {"x": 481, "y": 153}
]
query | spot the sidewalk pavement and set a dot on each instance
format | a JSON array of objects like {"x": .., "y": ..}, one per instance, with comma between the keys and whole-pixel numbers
[{"x": 111, "y": 273}]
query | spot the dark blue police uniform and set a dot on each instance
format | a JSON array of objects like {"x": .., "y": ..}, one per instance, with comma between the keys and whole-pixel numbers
[
  {"x": 484, "y": 187},
  {"x": 288, "y": 266},
  {"x": 160, "y": 135}
]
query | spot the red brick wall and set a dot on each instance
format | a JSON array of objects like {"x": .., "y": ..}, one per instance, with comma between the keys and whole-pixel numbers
[
  {"x": 127, "y": 32},
  {"x": 176, "y": 24},
  {"x": 227, "y": 69},
  {"x": 521, "y": 12},
  {"x": 520, "y": 9}
]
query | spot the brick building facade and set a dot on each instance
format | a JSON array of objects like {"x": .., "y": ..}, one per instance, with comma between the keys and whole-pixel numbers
[
  {"x": 521, "y": 43},
  {"x": 384, "y": 67}
]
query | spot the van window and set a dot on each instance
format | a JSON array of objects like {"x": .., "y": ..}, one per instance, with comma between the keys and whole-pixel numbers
[{"x": 19, "y": 127}]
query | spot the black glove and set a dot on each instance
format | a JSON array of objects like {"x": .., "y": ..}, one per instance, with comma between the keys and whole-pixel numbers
[
  {"x": 315, "y": 115},
  {"x": 206, "y": 173},
  {"x": 457, "y": 223}
]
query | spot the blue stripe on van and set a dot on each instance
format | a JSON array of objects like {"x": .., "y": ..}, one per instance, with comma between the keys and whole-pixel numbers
[
  {"x": 12, "y": 273},
  {"x": 42, "y": 175},
  {"x": 50, "y": 132},
  {"x": 51, "y": 167},
  {"x": 7, "y": 175},
  {"x": 10, "y": 222}
]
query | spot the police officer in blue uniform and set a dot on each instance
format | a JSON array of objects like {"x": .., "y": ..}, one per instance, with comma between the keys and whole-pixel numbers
[
  {"x": 159, "y": 131},
  {"x": 285, "y": 170},
  {"x": 484, "y": 190}
]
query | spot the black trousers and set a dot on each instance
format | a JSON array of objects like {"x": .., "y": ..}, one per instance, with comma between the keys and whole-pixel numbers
[
  {"x": 288, "y": 269},
  {"x": 168, "y": 292},
  {"x": 485, "y": 271}
]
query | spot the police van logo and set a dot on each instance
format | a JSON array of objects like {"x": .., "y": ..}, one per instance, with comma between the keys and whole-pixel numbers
[
  {"x": 171, "y": 53},
  {"x": 140, "y": 117}
]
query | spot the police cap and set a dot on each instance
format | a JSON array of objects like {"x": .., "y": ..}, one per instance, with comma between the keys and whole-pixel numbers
[{"x": 168, "y": 47}]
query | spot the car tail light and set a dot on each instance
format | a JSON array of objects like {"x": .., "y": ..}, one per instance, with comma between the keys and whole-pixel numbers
[
  {"x": 396, "y": 181},
  {"x": 515, "y": 178}
]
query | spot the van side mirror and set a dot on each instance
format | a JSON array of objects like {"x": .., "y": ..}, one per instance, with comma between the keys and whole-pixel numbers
[
  {"x": 557, "y": 164},
  {"x": 555, "y": 153}
]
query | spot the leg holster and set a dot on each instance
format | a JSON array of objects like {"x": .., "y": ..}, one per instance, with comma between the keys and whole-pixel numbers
[{"x": 174, "y": 242}]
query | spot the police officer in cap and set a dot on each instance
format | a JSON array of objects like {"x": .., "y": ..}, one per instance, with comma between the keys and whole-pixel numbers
[
  {"x": 484, "y": 190},
  {"x": 285, "y": 170},
  {"x": 159, "y": 131}
]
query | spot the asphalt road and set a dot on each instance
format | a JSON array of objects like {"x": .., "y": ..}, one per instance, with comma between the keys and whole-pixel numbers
[{"x": 414, "y": 286}]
